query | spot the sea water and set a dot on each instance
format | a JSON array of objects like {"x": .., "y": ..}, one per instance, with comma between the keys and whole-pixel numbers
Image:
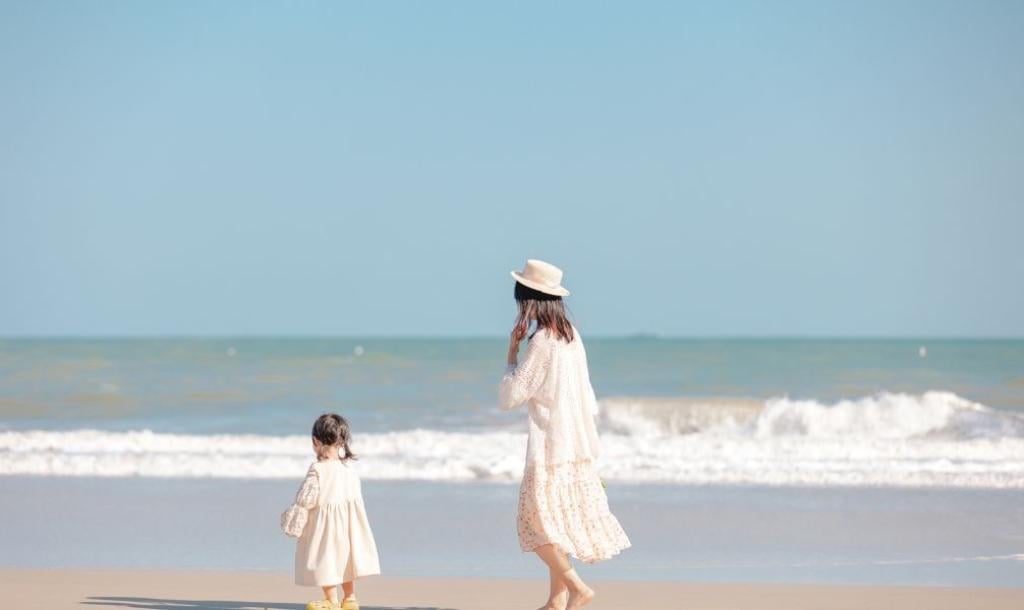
[
  {"x": 847, "y": 461},
  {"x": 911, "y": 413}
]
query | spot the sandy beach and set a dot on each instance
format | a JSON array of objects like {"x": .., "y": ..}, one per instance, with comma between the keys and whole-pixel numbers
[{"x": 215, "y": 590}]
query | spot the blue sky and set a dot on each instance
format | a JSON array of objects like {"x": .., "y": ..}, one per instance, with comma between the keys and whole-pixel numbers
[{"x": 741, "y": 168}]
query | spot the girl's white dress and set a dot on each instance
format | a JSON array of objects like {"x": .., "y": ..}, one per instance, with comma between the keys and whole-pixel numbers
[
  {"x": 561, "y": 499},
  {"x": 336, "y": 544}
]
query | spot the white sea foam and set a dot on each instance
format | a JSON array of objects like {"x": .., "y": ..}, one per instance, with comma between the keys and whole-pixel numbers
[
  {"x": 881, "y": 416},
  {"x": 934, "y": 439}
]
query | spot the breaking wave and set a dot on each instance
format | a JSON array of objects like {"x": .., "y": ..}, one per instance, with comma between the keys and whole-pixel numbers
[
  {"x": 889, "y": 439},
  {"x": 882, "y": 416}
]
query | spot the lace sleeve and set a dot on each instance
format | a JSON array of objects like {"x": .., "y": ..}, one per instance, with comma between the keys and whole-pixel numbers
[
  {"x": 591, "y": 397},
  {"x": 522, "y": 382},
  {"x": 310, "y": 490}
]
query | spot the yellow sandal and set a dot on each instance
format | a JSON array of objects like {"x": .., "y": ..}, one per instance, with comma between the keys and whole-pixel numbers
[
  {"x": 322, "y": 604},
  {"x": 350, "y": 603}
]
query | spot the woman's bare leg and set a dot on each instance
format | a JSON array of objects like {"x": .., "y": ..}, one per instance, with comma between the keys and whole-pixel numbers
[
  {"x": 557, "y": 592},
  {"x": 348, "y": 588},
  {"x": 579, "y": 593}
]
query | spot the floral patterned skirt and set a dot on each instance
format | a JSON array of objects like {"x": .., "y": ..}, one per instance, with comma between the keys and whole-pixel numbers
[{"x": 565, "y": 505}]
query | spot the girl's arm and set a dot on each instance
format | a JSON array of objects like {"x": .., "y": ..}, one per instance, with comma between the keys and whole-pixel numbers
[
  {"x": 523, "y": 379},
  {"x": 293, "y": 520},
  {"x": 309, "y": 491}
]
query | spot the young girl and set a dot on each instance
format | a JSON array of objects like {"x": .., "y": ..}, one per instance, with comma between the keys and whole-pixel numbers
[{"x": 335, "y": 545}]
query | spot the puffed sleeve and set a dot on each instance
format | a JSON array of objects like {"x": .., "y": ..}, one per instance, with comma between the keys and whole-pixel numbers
[
  {"x": 309, "y": 491},
  {"x": 293, "y": 520},
  {"x": 521, "y": 382}
]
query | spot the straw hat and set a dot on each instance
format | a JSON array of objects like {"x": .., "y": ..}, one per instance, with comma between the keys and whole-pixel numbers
[{"x": 541, "y": 276}]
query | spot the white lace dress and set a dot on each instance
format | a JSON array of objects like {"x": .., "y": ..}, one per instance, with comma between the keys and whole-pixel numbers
[{"x": 561, "y": 499}]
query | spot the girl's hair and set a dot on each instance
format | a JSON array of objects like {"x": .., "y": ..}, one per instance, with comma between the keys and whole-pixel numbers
[
  {"x": 331, "y": 430},
  {"x": 547, "y": 309}
]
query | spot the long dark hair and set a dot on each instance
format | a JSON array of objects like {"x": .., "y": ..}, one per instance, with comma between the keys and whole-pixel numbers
[
  {"x": 332, "y": 429},
  {"x": 547, "y": 309}
]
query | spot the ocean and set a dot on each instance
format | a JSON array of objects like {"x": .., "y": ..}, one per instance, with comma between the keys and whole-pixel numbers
[
  {"x": 914, "y": 413},
  {"x": 769, "y": 460}
]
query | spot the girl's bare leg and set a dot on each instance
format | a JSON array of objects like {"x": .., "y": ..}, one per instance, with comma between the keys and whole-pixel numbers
[
  {"x": 348, "y": 588},
  {"x": 331, "y": 593},
  {"x": 579, "y": 593}
]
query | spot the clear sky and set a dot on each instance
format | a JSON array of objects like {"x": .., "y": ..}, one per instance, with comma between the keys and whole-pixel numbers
[{"x": 736, "y": 168}]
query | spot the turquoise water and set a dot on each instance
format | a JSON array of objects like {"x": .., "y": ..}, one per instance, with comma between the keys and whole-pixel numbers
[
  {"x": 947, "y": 413},
  {"x": 272, "y": 385}
]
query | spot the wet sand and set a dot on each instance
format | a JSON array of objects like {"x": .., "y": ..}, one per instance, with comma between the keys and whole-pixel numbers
[{"x": 680, "y": 534}]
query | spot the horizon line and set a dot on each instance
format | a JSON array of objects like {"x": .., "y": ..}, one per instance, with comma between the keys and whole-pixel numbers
[{"x": 422, "y": 336}]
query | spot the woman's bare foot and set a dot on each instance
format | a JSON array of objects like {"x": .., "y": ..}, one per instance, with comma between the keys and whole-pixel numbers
[
  {"x": 580, "y": 598},
  {"x": 579, "y": 593},
  {"x": 557, "y": 602}
]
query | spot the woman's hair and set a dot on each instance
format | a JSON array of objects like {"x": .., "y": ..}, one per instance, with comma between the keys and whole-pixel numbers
[
  {"x": 331, "y": 429},
  {"x": 547, "y": 309}
]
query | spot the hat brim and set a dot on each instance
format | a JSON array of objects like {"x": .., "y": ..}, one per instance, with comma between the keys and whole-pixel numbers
[{"x": 557, "y": 291}]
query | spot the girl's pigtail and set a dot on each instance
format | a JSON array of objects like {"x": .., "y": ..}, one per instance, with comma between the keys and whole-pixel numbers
[{"x": 345, "y": 438}]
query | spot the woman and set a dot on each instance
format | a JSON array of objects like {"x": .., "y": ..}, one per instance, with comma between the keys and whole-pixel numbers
[{"x": 563, "y": 509}]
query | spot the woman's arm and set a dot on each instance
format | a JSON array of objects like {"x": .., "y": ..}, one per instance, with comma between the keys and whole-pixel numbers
[
  {"x": 590, "y": 397},
  {"x": 523, "y": 379}
]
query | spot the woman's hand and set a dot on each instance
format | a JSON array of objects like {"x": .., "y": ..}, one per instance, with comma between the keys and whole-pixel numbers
[{"x": 518, "y": 334}]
